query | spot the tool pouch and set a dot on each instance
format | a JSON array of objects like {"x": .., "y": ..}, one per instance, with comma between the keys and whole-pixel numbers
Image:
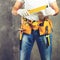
[
  {"x": 45, "y": 27},
  {"x": 26, "y": 27}
]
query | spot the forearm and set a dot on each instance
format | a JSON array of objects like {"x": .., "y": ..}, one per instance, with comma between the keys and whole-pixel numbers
[
  {"x": 15, "y": 8},
  {"x": 55, "y": 7}
]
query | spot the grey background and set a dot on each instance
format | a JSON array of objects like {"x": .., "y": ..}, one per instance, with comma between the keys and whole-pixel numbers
[{"x": 9, "y": 42}]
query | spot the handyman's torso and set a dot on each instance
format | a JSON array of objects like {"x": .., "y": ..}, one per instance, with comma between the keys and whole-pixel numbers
[{"x": 31, "y": 4}]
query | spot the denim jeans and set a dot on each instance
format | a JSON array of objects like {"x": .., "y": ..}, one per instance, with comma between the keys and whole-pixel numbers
[{"x": 28, "y": 42}]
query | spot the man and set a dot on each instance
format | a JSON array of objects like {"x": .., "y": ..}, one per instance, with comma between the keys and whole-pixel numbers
[{"x": 36, "y": 26}]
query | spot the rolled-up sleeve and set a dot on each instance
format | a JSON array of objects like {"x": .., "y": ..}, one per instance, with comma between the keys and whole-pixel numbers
[{"x": 51, "y": 1}]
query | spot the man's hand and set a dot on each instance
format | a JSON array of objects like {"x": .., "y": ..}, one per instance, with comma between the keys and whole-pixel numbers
[
  {"x": 49, "y": 11},
  {"x": 23, "y": 12}
]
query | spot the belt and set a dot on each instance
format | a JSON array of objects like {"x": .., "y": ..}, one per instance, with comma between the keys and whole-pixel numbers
[
  {"x": 45, "y": 18},
  {"x": 29, "y": 21}
]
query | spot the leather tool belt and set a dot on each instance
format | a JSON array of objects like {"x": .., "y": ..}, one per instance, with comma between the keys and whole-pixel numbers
[{"x": 43, "y": 26}]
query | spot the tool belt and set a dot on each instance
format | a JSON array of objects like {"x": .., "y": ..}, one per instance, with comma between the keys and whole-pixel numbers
[{"x": 43, "y": 26}]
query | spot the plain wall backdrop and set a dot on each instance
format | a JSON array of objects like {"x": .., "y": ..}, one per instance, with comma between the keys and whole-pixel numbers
[{"x": 9, "y": 42}]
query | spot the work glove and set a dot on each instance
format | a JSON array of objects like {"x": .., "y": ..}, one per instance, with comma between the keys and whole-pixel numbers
[
  {"x": 49, "y": 11},
  {"x": 23, "y": 12}
]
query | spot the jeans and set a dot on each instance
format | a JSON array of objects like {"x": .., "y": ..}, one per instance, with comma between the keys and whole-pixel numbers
[{"x": 28, "y": 42}]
